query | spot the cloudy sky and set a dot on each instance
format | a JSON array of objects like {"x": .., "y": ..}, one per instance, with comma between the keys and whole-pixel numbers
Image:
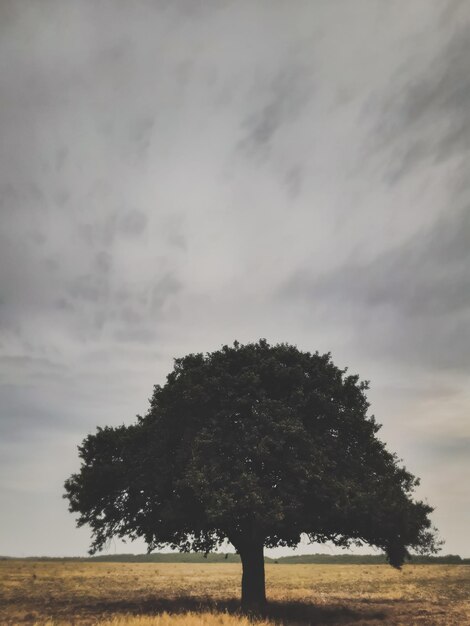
[{"x": 177, "y": 175}]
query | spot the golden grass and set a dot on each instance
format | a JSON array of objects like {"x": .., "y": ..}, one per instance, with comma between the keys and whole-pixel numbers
[
  {"x": 186, "y": 619},
  {"x": 145, "y": 594}
]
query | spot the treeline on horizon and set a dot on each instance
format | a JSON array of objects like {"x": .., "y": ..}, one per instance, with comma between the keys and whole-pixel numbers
[{"x": 230, "y": 557}]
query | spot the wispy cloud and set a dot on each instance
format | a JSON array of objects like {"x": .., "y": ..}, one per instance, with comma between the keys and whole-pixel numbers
[{"x": 175, "y": 176}]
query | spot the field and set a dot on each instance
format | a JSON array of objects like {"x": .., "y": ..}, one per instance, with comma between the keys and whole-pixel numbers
[{"x": 169, "y": 594}]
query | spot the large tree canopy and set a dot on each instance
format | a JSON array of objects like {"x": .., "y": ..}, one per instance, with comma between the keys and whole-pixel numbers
[{"x": 256, "y": 444}]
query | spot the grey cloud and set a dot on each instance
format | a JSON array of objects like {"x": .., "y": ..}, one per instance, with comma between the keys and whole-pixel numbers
[
  {"x": 99, "y": 230},
  {"x": 135, "y": 334},
  {"x": 426, "y": 117},
  {"x": 32, "y": 370},
  {"x": 134, "y": 311},
  {"x": 102, "y": 230},
  {"x": 22, "y": 413},
  {"x": 103, "y": 262},
  {"x": 293, "y": 180},
  {"x": 22, "y": 361},
  {"x": 450, "y": 11},
  {"x": 173, "y": 228},
  {"x": 136, "y": 314},
  {"x": 413, "y": 300},
  {"x": 449, "y": 448},
  {"x": 164, "y": 167},
  {"x": 60, "y": 157},
  {"x": 133, "y": 223},
  {"x": 282, "y": 100},
  {"x": 89, "y": 288},
  {"x": 177, "y": 239},
  {"x": 142, "y": 135},
  {"x": 22, "y": 198},
  {"x": 167, "y": 287}
]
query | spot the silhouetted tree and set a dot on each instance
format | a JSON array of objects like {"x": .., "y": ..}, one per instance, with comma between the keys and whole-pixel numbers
[{"x": 255, "y": 444}]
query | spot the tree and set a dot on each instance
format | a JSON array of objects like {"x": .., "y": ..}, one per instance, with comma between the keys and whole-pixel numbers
[{"x": 254, "y": 444}]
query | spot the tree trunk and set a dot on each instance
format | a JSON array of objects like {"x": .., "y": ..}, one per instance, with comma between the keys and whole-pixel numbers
[{"x": 253, "y": 585}]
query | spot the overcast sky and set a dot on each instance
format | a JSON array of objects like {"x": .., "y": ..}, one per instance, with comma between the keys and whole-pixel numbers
[{"x": 177, "y": 175}]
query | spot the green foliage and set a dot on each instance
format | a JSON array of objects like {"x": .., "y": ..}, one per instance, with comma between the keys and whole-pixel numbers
[
  {"x": 231, "y": 557},
  {"x": 255, "y": 444}
]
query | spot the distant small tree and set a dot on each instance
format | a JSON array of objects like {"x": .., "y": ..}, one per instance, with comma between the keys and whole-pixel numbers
[{"x": 254, "y": 444}]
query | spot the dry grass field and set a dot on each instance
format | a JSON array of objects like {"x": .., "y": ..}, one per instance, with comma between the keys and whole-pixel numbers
[{"x": 167, "y": 594}]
